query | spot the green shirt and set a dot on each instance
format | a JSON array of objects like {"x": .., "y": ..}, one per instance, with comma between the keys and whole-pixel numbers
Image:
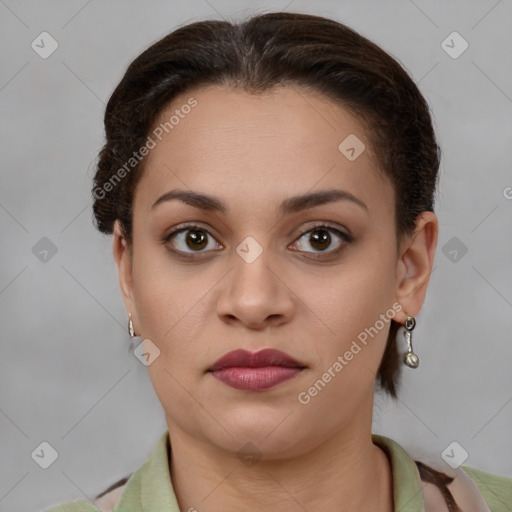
[{"x": 150, "y": 489}]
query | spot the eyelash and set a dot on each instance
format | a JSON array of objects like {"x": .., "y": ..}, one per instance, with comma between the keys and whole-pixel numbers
[{"x": 347, "y": 239}]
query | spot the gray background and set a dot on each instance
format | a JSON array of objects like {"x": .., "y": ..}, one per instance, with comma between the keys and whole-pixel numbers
[{"x": 67, "y": 373}]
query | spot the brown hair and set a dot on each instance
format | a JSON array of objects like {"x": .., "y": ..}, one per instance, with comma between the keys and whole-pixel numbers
[{"x": 272, "y": 49}]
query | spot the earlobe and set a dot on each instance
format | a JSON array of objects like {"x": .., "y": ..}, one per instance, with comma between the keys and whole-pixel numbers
[{"x": 414, "y": 266}]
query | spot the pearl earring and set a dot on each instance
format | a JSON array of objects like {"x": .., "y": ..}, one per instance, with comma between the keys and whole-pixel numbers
[
  {"x": 131, "y": 330},
  {"x": 410, "y": 358}
]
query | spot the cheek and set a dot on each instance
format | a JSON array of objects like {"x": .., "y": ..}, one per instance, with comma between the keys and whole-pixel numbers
[
  {"x": 353, "y": 297},
  {"x": 171, "y": 301},
  {"x": 352, "y": 313},
  {"x": 162, "y": 291}
]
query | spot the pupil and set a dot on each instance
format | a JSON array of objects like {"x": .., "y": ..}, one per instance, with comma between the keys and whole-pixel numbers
[
  {"x": 316, "y": 239},
  {"x": 195, "y": 238}
]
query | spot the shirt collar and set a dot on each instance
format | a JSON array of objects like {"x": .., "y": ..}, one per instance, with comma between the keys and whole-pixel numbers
[
  {"x": 407, "y": 489},
  {"x": 149, "y": 489}
]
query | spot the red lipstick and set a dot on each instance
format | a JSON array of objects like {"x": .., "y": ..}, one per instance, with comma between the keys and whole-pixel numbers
[{"x": 255, "y": 371}]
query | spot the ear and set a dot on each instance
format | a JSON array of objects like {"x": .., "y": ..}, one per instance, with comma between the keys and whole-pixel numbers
[
  {"x": 123, "y": 258},
  {"x": 414, "y": 265}
]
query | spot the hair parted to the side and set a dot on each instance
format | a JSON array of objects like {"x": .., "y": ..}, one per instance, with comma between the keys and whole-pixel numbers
[{"x": 267, "y": 50}]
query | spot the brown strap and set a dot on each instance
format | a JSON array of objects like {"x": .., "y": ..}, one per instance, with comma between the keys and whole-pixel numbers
[
  {"x": 441, "y": 480},
  {"x": 445, "y": 493},
  {"x": 119, "y": 483}
]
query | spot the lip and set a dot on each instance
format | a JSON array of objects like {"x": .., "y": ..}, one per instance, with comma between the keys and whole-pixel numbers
[
  {"x": 244, "y": 358},
  {"x": 255, "y": 371}
]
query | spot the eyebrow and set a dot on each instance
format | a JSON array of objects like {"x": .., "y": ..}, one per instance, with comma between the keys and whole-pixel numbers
[{"x": 293, "y": 204}]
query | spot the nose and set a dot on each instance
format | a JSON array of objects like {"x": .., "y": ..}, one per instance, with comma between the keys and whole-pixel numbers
[{"x": 256, "y": 292}]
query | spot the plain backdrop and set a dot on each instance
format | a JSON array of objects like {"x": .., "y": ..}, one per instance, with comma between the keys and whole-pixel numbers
[{"x": 68, "y": 376}]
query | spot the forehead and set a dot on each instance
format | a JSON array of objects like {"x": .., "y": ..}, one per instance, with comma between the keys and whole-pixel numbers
[
  {"x": 294, "y": 114},
  {"x": 259, "y": 147}
]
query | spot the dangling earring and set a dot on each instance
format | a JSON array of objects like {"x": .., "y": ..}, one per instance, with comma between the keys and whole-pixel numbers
[
  {"x": 131, "y": 331},
  {"x": 410, "y": 358}
]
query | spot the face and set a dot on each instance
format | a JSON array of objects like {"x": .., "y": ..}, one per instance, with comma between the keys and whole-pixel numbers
[{"x": 319, "y": 280}]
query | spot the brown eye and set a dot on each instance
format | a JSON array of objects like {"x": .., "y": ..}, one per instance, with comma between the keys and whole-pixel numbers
[
  {"x": 190, "y": 239},
  {"x": 196, "y": 239},
  {"x": 320, "y": 238}
]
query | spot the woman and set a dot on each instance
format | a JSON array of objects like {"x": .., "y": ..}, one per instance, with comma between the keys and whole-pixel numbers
[{"x": 270, "y": 186}]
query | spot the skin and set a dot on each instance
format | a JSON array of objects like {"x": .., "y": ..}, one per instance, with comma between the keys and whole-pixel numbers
[{"x": 252, "y": 152}]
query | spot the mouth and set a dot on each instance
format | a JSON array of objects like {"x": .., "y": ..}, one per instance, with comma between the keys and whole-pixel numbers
[{"x": 255, "y": 371}]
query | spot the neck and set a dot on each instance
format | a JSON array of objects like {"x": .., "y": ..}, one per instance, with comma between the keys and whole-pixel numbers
[{"x": 344, "y": 471}]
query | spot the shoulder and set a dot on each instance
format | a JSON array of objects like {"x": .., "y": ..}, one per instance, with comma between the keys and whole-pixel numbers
[
  {"x": 108, "y": 501},
  {"x": 105, "y": 503},
  {"x": 73, "y": 506},
  {"x": 126, "y": 493},
  {"x": 473, "y": 490},
  {"x": 496, "y": 489}
]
